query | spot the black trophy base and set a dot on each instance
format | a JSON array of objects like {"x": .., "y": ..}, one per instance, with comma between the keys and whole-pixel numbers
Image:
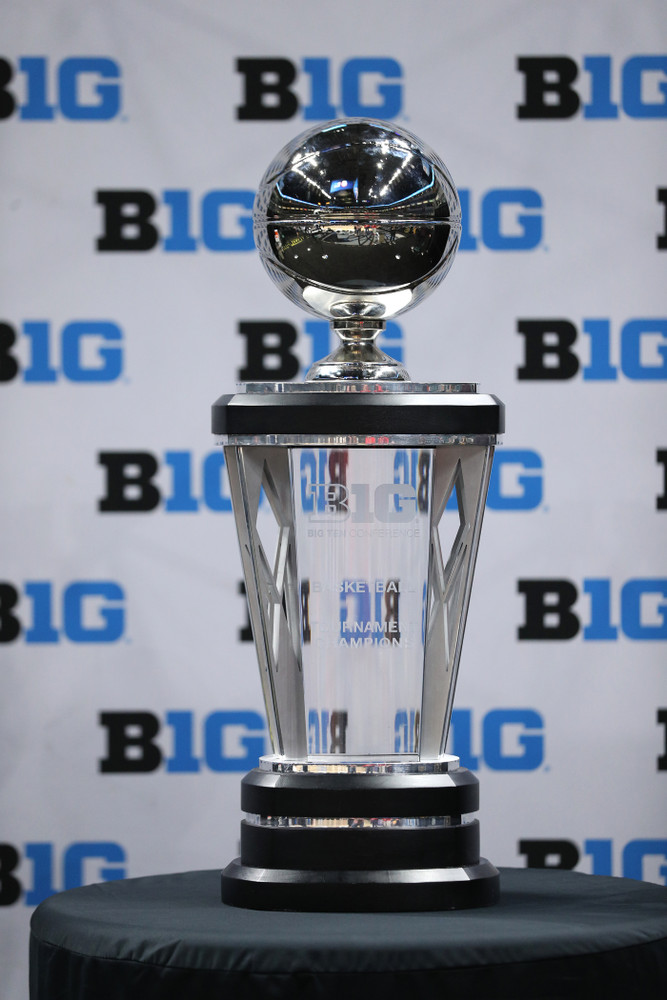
[
  {"x": 399, "y": 890},
  {"x": 316, "y": 842}
]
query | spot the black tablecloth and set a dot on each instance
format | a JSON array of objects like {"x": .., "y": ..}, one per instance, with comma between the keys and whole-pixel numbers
[{"x": 554, "y": 934}]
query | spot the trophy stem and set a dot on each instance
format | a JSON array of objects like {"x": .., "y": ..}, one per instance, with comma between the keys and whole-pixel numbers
[{"x": 357, "y": 357}]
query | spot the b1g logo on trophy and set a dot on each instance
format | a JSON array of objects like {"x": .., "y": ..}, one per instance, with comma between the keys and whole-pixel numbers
[{"x": 358, "y": 587}]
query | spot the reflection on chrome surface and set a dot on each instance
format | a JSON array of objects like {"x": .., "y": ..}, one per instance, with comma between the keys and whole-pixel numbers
[
  {"x": 358, "y": 822},
  {"x": 390, "y": 764},
  {"x": 359, "y": 209},
  {"x": 289, "y": 388},
  {"x": 356, "y": 255}
]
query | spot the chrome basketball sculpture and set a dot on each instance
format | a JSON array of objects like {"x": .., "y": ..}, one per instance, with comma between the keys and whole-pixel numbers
[
  {"x": 357, "y": 222},
  {"x": 358, "y": 497}
]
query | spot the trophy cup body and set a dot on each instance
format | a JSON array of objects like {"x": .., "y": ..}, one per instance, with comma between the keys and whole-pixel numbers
[{"x": 358, "y": 498}]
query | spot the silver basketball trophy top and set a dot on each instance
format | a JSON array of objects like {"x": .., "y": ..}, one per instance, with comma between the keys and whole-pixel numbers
[
  {"x": 358, "y": 583},
  {"x": 357, "y": 222}
]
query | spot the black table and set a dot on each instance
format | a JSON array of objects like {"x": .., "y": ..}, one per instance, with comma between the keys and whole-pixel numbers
[{"x": 553, "y": 934}]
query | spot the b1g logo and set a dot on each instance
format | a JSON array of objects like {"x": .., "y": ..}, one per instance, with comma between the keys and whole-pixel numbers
[
  {"x": 506, "y": 219},
  {"x": 638, "y": 87},
  {"x": 223, "y": 741},
  {"x": 130, "y": 485},
  {"x": 635, "y": 857},
  {"x": 326, "y": 495},
  {"x": 274, "y": 349},
  {"x": 86, "y": 611},
  {"x": 504, "y": 739},
  {"x": 516, "y": 483},
  {"x": 553, "y": 350},
  {"x": 178, "y": 221},
  {"x": 276, "y": 89},
  {"x": 390, "y": 503},
  {"x": 549, "y": 614},
  {"x": 37, "y": 352},
  {"x": 179, "y": 482},
  {"x": 44, "y": 869},
  {"x": 221, "y": 222},
  {"x": 517, "y": 480},
  {"x": 80, "y": 88}
]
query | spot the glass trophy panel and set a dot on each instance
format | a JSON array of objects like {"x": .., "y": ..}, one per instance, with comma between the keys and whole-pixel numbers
[
  {"x": 358, "y": 565},
  {"x": 362, "y": 538}
]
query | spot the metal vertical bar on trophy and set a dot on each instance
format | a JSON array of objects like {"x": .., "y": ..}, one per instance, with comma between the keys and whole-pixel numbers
[
  {"x": 451, "y": 584},
  {"x": 272, "y": 601}
]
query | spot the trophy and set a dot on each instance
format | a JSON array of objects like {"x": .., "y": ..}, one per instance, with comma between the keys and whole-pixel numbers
[{"x": 358, "y": 497}]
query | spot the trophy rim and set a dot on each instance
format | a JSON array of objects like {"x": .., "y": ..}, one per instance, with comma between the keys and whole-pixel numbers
[
  {"x": 362, "y": 386},
  {"x": 357, "y": 417},
  {"x": 338, "y": 764}
]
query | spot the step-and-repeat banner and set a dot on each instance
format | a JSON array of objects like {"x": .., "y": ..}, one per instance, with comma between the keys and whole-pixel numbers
[{"x": 133, "y": 138}]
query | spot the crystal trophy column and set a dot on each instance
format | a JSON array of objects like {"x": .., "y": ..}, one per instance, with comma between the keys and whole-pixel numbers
[{"x": 358, "y": 496}]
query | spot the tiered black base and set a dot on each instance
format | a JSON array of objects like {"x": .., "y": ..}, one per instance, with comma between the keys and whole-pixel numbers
[{"x": 360, "y": 842}]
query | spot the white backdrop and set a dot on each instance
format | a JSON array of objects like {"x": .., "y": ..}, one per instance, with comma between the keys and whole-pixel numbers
[{"x": 130, "y": 699}]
